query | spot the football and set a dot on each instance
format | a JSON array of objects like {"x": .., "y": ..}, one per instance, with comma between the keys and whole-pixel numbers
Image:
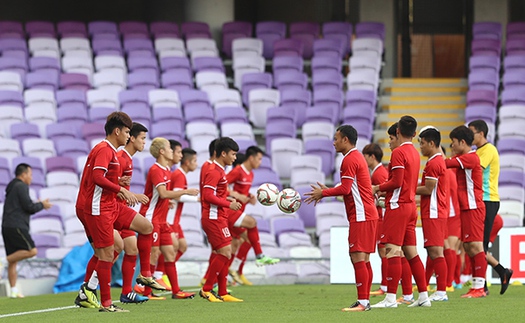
[
  {"x": 267, "y": 194},
  {"x": 289, "y": 200}
]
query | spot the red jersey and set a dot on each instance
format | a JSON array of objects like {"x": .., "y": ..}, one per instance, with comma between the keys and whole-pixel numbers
[
  {"x": 242, "y": 180},
  {"x": 178, "y": 182},
  {"x": 204, "y": 169},
  {"x": 403, "y": 176},
  {"x": 126, "y": 164},
  {"x": 214, "y": 191},
  {"x": 379, "y": 175},
  {"x": 157, "y": 208},
  {"x": 99, "y": 184},
  {"x": 356, "y": 188},
  {"x": 437, "y": 204},
  {"x": 453, "y": 184},
  {"x": 469, "y": 177}
]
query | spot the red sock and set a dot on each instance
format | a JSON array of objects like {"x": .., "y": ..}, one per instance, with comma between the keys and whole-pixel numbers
[
  {"x": 467, "y": 267},
  {"x": 128, "y": 270},
  {"x": 212, "y": 257},
  {"x": 370, "y": 277},
  {"x": 457, "y": 270},
  {"x": 406, "y": 276},
  {"x": 215, "y": 267},
  {"x": 450, "y": 257},
  {"x": 144, "y": 246},
  {"x": 147, "y": 290},
  {"x": 429, "y": 270},
  {"x": 90, "y": 268},
  {"x": 480, "y": 265},
  {"x": 384, "y": 271},
  {"x": 394, "y": 274},
  {"x": 160, "y": 264},
  {"x": 472, "y": 266},
  {"x": 440, "y": 266},
  {"x": 103, "y": 269},
  {"x": 179, "y": 254},
  {"x": 222, "y": 278},
  {"x": 171, "y": 272},
  {"x": 242, "y": 254},
  {"x": 361, "y": 280},
  {"x": 253, "y": 236},
  {"x": 418, "y": 271},
  {"x": 241, "y": 266}
]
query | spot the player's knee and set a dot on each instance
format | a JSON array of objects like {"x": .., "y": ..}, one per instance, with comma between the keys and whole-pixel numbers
[
  {"x": 131, "y": 250},
  {"x": 250, "y": 222},
  {"x": 146, "y": 227},
  {"x": 32, "y": 252},
  {"x": 183, "y": 248}
]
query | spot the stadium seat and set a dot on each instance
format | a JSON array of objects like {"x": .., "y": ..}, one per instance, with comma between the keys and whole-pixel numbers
[
  {"x": 260, "y": 100},
  {"x": 282, "y": 150},
  {"x": 269, "y": 32}
]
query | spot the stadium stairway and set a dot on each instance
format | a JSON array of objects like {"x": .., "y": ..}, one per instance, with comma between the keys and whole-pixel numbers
[{"x": 432, "y": 101}]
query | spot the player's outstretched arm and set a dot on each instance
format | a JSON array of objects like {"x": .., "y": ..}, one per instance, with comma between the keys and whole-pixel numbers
[{"x": 430, "y": 184}]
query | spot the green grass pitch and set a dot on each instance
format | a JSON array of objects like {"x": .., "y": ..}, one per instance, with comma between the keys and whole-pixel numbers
[{"x": 281, "y": 303}]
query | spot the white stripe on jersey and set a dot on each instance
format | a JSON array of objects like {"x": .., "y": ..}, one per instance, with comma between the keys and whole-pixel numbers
[
  {"x": 152, "y": 204},
  {"x": 214, "y": 214},
  {"x": 434, "y": 202},
  {"x": 452, "y": 211},
  {"x": 395, "y": 198},
  {"x": 95, "y": 204},
  {"x": 360, "y": 215},
  {"x": 470, "y": 190}
]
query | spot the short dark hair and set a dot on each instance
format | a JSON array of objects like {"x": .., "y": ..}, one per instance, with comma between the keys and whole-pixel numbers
[
  {"x": 136, "y": 129},
  {"x": 407, "y": 126},
  {"x": 211, "y": 147},
  {"x": 21, "y": 168},
  {"x": 431, "y": 135},
  {"x": 187, "y": 153},
  {"x": 117, "y": 119},
  {"x": 174, "y": 143},
  {"x": 349, "y": 132},
  {"x": 392, "y": 130},
  {"x": 480, "y": 126},
  {"x": 375, "y": 150},
  {"x": 252, "y": 151},
  {"x": 241, "y": 158},
  {"x": 462, "y": 133},
  {"x": 225, "y": 144}
]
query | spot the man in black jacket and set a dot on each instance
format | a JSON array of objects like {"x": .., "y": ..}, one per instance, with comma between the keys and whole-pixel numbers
[{"x": 18, "y": 207}]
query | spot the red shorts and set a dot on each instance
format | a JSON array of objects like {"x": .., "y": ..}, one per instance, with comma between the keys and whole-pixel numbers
[
  {"x": 177, "y": 229},
  {"x": 454, "y": 226},
  {"x": 379, "y": 232},
  {"x": 399, "y": 225},
  {"x": 361, "y": 236},
  {"x": 127, "y": 233},
  {"x": 217, "y": 232},
  {"x": 80, "y": 216},
  {"x": 472, "y": 224},
  {"x": 117, "y": 216},
  {"x": 434, "y": 232},
  {"x": 234, "y": 223},
  {"x": 161, "y": 235}
]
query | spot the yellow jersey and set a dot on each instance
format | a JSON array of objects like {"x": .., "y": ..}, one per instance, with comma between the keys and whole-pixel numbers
[{"x": 489, "y": 159}]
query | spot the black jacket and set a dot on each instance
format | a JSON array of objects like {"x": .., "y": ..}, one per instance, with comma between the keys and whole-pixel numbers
[{"x": 18, "y": 206}]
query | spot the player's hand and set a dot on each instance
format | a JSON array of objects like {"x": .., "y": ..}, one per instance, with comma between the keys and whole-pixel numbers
[
  {"x": 375, "y": 189},
  {"x": 192, "y": 191},
  {"x": 46, "y": 204},
  {"x": 120, "y": 196},
  {"x": 124, "y": 181},
  {"x": 243, "y": 198},
  {"x": 129, "y": 197},
  {"x": 315, "y": 195},
  {"x": 253, "y": 200},
  {"x": 143, "y": 199},
  {"x": 234, "y": 205}
]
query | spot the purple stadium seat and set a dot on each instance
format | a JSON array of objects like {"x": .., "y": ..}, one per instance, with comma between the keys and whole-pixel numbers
[
  {"x": 287, "y": 224},
  {"x": 361, "y": 111},
  {"x": 176, "y": 81},
  {"x": 299, "y": 100},
  {"x": 369, "y": 29},
  {"x": 230, "y": 114},
  {"x": 71, "y": 29},
  {"x": 72, "y": 147},
  {"x": 202, "y": 113},
  {"x": 164, "y": 29},
  {"x": 514, "y": 62},
  {"x": 486, "y": 113},
  {"x": 244, "y": 144},
  {"x": 486, "y": 47},
  {"x": 288, "y": 47},
  {"x": 22, "y": 131},
  {"x": 14, "y": 64},
  {"x": 139, "y": 45},
  {"x": 61, "y": 164},
  {"x": 102, "y": 27},
  {"x": 8, "y": 97},
  {"x": 327, "y": 79},
  {"x": 284, "y": 128},
  {"x": 261, "y": 176},
  {"x": 484, "y": 63},
  {"x": 329, "y": 97},
  {"x": 133, "y": 29},
  {"x": 195, "y": 29},
  {"x": 55, "y": 131},
  {"x": 11, "y": 29},
  {"x": 134, "y": 98},
  {"x": 269, "y": 32},
  {"x": 321, "y": 112},
  {"x": 358, "y": 98},
  {"x": 42, "y": 63},
  {"x": 513, "y": 79},
  {"x": 364, "y": 128},
  {"x": 307, "y": 211},
  {"x": 138, "y": 114},
  {"x": 513, "y": 96},
  {"x": 483, "y": 80},
  {"x": 136, "y": 64},
  {"x": 34, "y": 162},
  {"x": 40, "y": 29},
  {"x": 99, "y": 114},
  {"x": 515, "y": 30},
  {"x": 92, "y": 131},
  {"x": 508, "y": 177},
  {"x": 290, "y": 80},
  {"x": 515, "y": 47},
  {"x": 486, "y": 30},
  {"x": 282, "y": 113},
  {"x": 511, "y": 145},
  {"x": 13, "y": 45},
  {"x": 307, "y": 32},
  {"x": 168, "y": 114},
  {"x": 72, "y": 114},
  {"x": 323, "y": 63},
  {"x": 47, "y": 80},
  {"x": 176, "y": 64},
  {"x": 287, "y": 63},
  {"x": 106, "y": 47},
  {"x": 43, "y": 242},
  {"x": 74, "y": 81},
  {"x": 339, "y": 31},
  {"x": 208, "y": 64},
  {"x": 193, "y": 98},
  {"x": 167, "y": 129},
  {"x": 482, "y": 97},
  {"x": 71, "y": 96},
  {"x": 252, "y": 81},
  {"x": 233, "y": 30},
  {"x": 143, "y": 80}
]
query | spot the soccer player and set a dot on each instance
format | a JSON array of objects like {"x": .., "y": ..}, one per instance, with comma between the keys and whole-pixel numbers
[
  {"x": 242, "y": 224},
  {"x": 489, "y": 158},
  {"x": 214, "y": 192},
  {"x": 373, "y": 155},
  {"x": 401, "y": 215},
  {"x": 157, "y": 189},
  {"x": 469, "y": 178},
  {"x": 435, "y": 208},
  {"x": 136, "y": 142},
  {"x": 360, "y": 210},
  {"x": 98, "y": 210}
]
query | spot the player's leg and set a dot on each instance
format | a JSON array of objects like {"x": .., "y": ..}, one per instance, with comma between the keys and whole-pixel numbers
[
  {"x": 361, "y": 281},
  {"x": 472, "y": 228},
  {"x": 450, "y": 257},
  {"x": 248, "y": 222},
  {"x": 436, "y": 254},
  {"x": 128, "y": 268},
  {"x": 19, "y": 246},
  {"x": 236, "y": 242}
]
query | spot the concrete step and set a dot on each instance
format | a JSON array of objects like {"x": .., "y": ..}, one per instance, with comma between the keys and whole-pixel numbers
[
  {"x": 420, "y": 91},
  {"x": 421, "y": 117},
  {"x": 422, "y": 108},
  {"x": 418, "y": 100},
  {"x": 425, "y": 82}
]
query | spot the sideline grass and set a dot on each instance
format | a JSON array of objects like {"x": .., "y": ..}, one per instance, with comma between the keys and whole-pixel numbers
[{"x": 282, "y": 303}]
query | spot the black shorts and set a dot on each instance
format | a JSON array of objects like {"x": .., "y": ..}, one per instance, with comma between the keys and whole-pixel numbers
[
  {"x": 16, "y": 239},
  {"x": 491, "y": 209}
]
